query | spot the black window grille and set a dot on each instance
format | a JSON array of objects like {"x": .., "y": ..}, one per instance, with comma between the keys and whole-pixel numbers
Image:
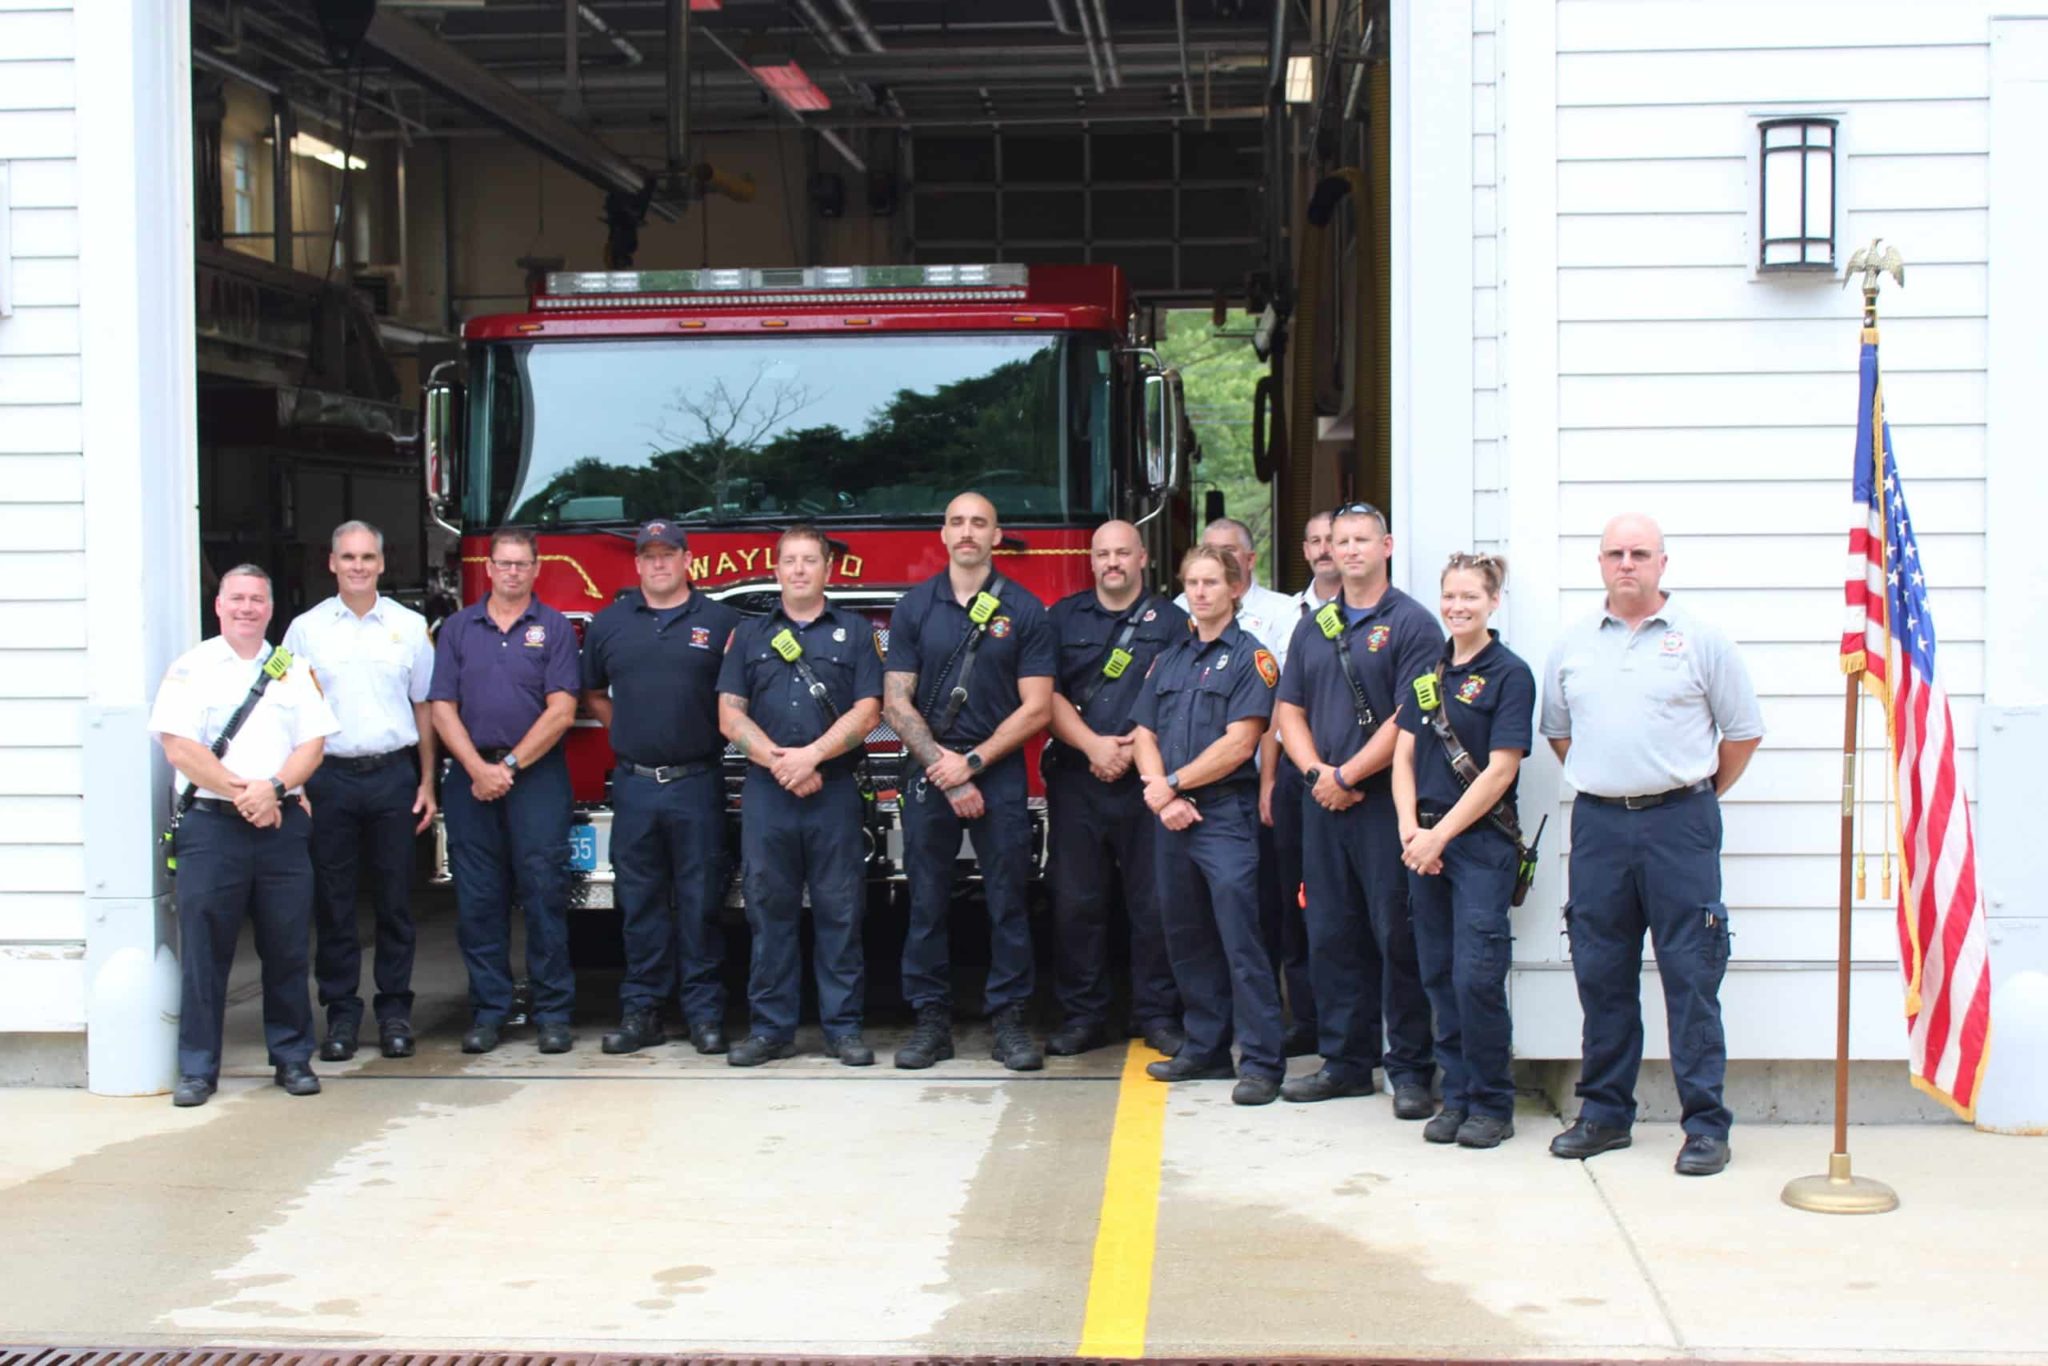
[{"x": 1796, "y": 195}]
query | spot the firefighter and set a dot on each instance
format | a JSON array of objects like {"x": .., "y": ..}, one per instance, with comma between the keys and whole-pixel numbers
[
  {"x": 1461, "y": 838},
  {"x": 241, "y": 841},
  {"x": 967, "y": 680},
  {"x": 373, "y": 795},
  {"x": 503, "y": 695},
  {"x": 1101, "y": 834},
  {"x": 1281, "y": 800},
  {"x": 1337, "y": 696},
  {"x": 799, "y": 692},
  {"x": 1199, "y": 721},
  {"x": 650, "y": 674}
]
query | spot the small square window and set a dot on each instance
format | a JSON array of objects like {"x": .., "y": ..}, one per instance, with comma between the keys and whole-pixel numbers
[{"x": 1796, "y": 195}]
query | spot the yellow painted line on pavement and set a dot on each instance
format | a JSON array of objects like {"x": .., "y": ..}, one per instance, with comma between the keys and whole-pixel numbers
[{"x": 1126, "y": 1232}]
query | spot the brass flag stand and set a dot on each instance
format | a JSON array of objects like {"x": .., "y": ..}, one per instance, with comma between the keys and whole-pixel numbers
[{"x": 1839, "y": 1191}]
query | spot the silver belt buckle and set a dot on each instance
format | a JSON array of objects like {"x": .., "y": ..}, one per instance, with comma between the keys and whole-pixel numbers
[{"x": 1642, "y": 803}]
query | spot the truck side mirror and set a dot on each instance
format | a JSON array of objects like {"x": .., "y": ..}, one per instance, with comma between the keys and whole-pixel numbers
[
  {"x": 1163, "y": 418},
  {"x": 441, "y": 430}
]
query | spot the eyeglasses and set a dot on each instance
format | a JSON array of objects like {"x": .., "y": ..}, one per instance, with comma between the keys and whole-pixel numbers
[
  {"x": 1358, "y": 510},
  {"x": 1463, "y": 560},
  {"x": 513, "y": 566}
]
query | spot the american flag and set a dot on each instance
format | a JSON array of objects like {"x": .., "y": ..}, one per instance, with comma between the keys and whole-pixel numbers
[{"x": 1890, "y": 638}]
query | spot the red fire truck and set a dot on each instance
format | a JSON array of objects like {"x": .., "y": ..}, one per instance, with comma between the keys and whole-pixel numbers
[{"x": 857, "y": 398}]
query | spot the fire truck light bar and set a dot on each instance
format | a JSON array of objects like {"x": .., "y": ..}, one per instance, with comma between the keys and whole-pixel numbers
[{"x": 599, "y": 288}]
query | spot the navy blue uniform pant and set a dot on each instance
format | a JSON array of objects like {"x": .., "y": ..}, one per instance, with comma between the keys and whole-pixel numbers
[
  {"x": 786, "y": 844},
  {"x": 1361, "y": 944},
  {"x": 1289, "y": 943},
  {"x": 1462, "y": 944},
  {"x": 514, "y": 848},
  {"x": 668, "y": 874},
  {"x": 1002, "y": 842},
  {"x": 363, "y": 839},
  {"x": 1102, "y": 837},
  {"x": 1657, "y": 869},
  {"x": 1209, "y": 901},
  {"x": 228, "y": 869}
]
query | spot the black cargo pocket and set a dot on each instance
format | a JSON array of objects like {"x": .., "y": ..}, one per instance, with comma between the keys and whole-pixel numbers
[{"x": 1715, "y": 945}]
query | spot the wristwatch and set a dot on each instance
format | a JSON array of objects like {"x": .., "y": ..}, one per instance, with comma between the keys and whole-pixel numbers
[
  {"x": 1313, "y": 776},
  {"x": 511, "y": 763},
  {"x": 1173, "y": 781},
  {"x": 277, "y": 786},
  {"x": 974, "y": 761}
]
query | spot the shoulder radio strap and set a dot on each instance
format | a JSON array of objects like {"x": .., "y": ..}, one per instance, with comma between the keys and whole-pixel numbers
[
  {"x": 981, "y": 610},
  {"x": 1115, "y": 660},
  {"x": 785, "y": 644},
  {"x": 277, "y": 666},
  {"x": 1330, "y": 621},
  {"x": 1429, "y": 693}
]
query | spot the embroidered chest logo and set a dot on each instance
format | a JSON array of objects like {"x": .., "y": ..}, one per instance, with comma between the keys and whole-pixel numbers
[
  {"x": 700, "y": 637},
  {"x": 536, "y": 636},
  {"x": 1151, "y": 614},
  {"x": 1469, "y": 691},
  {"x": 1376, "y": 639},
  {"x": 999, "y": 628},
  {"x": 1674, "y": 643}
]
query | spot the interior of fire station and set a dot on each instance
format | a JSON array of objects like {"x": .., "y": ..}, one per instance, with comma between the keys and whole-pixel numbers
[{"x": 371, "y": 175}]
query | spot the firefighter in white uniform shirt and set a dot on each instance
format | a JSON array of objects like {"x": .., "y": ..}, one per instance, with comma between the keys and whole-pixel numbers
[
  {"x": 373, "y": 795},
  {"x": 241, "y": 845}
]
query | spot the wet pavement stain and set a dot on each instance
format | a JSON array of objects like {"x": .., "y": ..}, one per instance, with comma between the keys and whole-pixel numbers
[{"x": 162, "y": 1216}]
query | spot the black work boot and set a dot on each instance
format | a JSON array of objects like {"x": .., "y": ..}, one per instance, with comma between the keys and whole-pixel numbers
[
  {"x": 931, "y": 1041},
  {"x": 637, "y": 1029},
  {"x": 1014, "y": 1046}
]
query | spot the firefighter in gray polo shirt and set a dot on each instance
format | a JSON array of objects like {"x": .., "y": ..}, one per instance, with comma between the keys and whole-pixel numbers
[{"x": 1653, "y": 714}]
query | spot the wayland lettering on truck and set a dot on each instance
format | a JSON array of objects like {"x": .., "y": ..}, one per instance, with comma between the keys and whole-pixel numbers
[{"x": 856, "y": 398}]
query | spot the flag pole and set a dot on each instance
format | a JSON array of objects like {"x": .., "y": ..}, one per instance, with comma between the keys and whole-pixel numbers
[{"x": 1840, "y": 1191}]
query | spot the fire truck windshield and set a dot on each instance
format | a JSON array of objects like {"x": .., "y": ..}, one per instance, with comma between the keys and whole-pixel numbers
[{"x": 875, "y": 427}]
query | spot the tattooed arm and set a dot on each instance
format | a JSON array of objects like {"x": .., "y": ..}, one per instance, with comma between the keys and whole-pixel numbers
[
  {"x": 899, "y": 709},
  {"x": 746, "y": 736}
]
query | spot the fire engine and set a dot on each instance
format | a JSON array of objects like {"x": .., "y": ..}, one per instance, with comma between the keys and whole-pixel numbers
[{"x": 860, "y": 399}]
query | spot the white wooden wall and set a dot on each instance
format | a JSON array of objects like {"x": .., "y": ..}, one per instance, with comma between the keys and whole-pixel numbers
[
  {"x": 1641, "y": 364},
  {"x": 42, "y": 531}
]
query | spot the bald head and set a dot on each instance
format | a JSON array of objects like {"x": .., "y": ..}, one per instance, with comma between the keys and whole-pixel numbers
[
  {"x": 970, "y": 532},
  {"x": 1118, "y": 558},
  {"x": 1632, "y": 564}
]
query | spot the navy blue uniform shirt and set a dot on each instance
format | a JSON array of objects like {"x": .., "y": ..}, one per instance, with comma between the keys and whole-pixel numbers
[
  {"x": 840, "y": 648},
  {"x": 1396, "y": 639},
  {"x": 1491, "y": 703},
  {"x": 500, "y": 680},
  {"x": 926, "y": 631},
  {"x": 1197, "y": 688},
  {"x": 1085, "y": 630},
  {"x": 662, "y": 669}
]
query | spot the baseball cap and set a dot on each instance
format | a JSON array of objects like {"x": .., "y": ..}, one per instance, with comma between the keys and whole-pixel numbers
[{"x": 659, "y": 532}]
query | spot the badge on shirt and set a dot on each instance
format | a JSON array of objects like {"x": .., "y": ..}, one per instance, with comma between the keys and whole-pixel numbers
[
  {"x": 1222, "y": 663},
  {"x": 839, "y": 635},
  {"x": 1674, "y": 643},
  {"x": 1376, "y": 638},
  {"x": 999, "y": 628},
  {"x": 1469, "y": 691},
  {"x": 1151, "y": 614},
  {"x": 700, "y": 637},
  {"x": 1268, "y": 667},
  {"x": 536, "y": 636}
]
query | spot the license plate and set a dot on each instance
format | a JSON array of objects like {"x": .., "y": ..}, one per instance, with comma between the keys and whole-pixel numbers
[{"x": 582, "y": 849}]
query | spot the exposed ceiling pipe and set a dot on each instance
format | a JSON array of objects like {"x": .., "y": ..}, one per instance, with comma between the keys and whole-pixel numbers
[
  {"x": 619, "y": 40},
  {"x": 1059, "y": 18},
  {"x": 858, "y": 22},
  {"x": 1116, "y": 77},
  {"x": 678, "y": 89},
  {"x": 1088, "y": 41},
  {"x": 821, "y": 27},
  {"x": 572, "y": 60},
  {"x": 1232, "y": 113},
  {"x": 302, "y": 68},
  {"x": 436, "y": 64},
  {"x": 1180, "y": 29}
]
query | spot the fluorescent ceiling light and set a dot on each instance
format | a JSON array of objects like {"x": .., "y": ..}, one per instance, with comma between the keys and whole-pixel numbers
[
  {"x": 1301, "y": 79},
  {"x": 325, "y": 152},
  {"x": 786, "y": 81}
]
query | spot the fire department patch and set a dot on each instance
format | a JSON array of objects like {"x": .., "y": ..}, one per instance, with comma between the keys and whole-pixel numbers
[
  {"x": 1674, "y": 643},
  {"x": 1469, "y": 691},
  {"x": 999, "y": 628},
  {"x": 1376, "y": 638},
  {"x": 700, "y": 637},
  {"x": 1268, "y": 667},
  {"x": 536, "y": 636},
  {"x": 882, "y": 645}
]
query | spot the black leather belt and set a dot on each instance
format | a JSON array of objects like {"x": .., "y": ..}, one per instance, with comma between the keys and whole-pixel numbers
[
  {"x": 495, "y": 754},
  {"x": 364, "y": 763},
  {"x": 669, "y": 773},
  {"x": 1427, "y": 819},
  {"x": 1654, "y": 798},
  {"x": 221, "y": 808}
]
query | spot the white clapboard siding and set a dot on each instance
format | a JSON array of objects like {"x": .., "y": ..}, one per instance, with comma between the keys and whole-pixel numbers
[
  {"x": 1723, "y": 403},
  {"x": 1489, "y": 472},
  {"x": 43, "y": 684}
]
